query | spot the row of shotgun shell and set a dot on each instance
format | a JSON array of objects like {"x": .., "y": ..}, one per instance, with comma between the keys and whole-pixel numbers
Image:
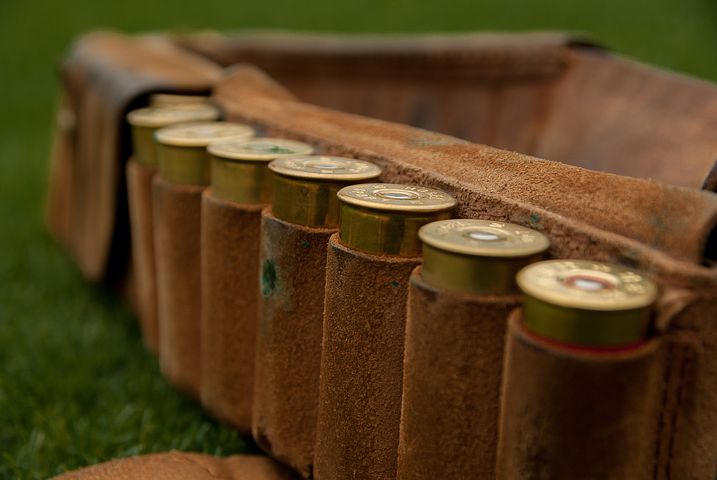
[{"x": 338, "y": 401}]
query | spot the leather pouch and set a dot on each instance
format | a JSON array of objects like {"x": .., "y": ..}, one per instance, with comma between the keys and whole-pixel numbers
[
  {"x": 177, "y": 228},
  {"x": 569, "y": 413},
  {"x": 288, "y": 348},
  {"x": 361, "y": 364},
  {"x": 451, "y": 382},
  {"x": 230, "y": 298},
  {"x": 183, "y": 466},
  {"x": 139, "y": 196}
]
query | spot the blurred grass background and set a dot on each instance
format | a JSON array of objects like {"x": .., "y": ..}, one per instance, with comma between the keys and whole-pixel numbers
[{"x": 76, "y": 386}]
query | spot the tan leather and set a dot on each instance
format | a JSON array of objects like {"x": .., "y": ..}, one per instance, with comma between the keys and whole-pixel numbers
[
  {"x": 569, "y": 414},
  {"x": 104, "y": 75},
  {"x": 139, "y": 198},
  {"x": 546, "y": 94},
  {"x": 453, "y": 365},
  {"x": 182, "y": 466},
  {"x": 609, "y": 222},
  {"x": 230, "y": 308},
  {"x": 666, "y": 231},
  {"x": 177, "y": 232},
  {"x": 361, "y": 364},
  {"x": 622, "y": 220},
  {"x": 288, "y": 348}
]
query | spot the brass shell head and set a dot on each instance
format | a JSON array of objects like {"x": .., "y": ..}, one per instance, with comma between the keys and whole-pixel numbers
[
  {"x": 182, "y": 149},
  {"x": 305, "y": 187},
  {"x": 240, "y": 167},
  {"x": 384, "y": 218},
  {"x": 587, "y": 303},
  {"x": 146, "y": 121},
  {"x": 478, "y": 256}
]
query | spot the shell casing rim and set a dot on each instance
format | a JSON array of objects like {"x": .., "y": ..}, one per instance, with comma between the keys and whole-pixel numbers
[
  {"x": 164, "y": 135},
  {"x": 372, "y": 172},
  {"x": 183, "y": 165},
  {"x": 567, "y": 298},
  {"x": 448, "y": 203},
  {"x": 384, "y": 232},
  {"x": 144, "y": 148},
  {"x": 473, "y": 274},
  {"x": 593, "y": 328},
  {"x": 249, "y": 186},
  {"x": 305, "y": 202},
  {"x": 215, "y": 149},
  {"x": 452, "y": 242},
  {"x": 175, "y": 115}
]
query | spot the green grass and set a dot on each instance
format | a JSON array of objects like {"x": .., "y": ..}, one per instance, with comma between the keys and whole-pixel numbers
[{"x": 76, "y": 386}]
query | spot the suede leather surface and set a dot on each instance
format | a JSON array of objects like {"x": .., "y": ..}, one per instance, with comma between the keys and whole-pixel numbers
[
  {"x": 230, "y": 308},
  {"x": 361, "y": 364},
  {"x": 452, "y": 370},
  {"x": 547, "y": 94},
  {"x": 103, "y": 77},
  {"x": 288, "y": 347},
  {"x": 182, "y": 466},
  {"x": 139, "y": 196},
  {"x": 591, "y": 214},
  {"x": 177, "y": 233},
  {"x": 569, "y": 414},
  {"x": 660, "y": 229}
]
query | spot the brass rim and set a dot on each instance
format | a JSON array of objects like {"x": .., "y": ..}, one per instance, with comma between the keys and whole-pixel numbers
[
  {"x": 262, "y": 149},
  {"x": 588, "y": 303},
  {"x": 478, "y": 256},
  {"x": 384, "y": 219},
  {"x": 201, "y": 134},
  {"x": 306, "y": 195}
]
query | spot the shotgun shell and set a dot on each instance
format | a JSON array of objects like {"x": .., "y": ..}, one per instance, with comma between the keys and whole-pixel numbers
[
  {"x": 305, "y": 187},
  {"x": 173, "y": 99},
  {"x": 478, "y": 256},
  {"x": 182, "y": 149},
  {"x": 146, "y": 121},
  {"x": 586, "y": 303},
  {"x": 239, "y": 167},
  {"x": 384, "y": 218}
]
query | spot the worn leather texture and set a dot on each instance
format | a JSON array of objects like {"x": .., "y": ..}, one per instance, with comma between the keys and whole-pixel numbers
[
  {"x": 361, "y": 364},
  {"x": 183, "y": 466},
  {"x": 103, "y": 77},
  {"x": 546, "y": 94},
  {"x": 177, "y": 237},
  {"x": 666, "y": 231},
  {"x": 288, "y": 347},
  {"x": 230, "y": 308},
  {"x": 453, "y": 365},
  {"x": 139, "y": 198},
  {"x": 518, "y": 104},
  {"x": 569, "y": 413}
]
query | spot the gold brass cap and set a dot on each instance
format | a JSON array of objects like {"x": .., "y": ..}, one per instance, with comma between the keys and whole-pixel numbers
[
  {"x": 201, "y": 134},
  {"x": 182, "y": 152},
  {"x": 586, "y": 303},
  {"x": 263, "y": 149},
  {"x": 145, "y": 121},
  {"x": 384, "y": 218},
  {"x": 156, "y": 117},
  {"x": 239, "y": 167},
  {"x": 306, "y": 186},
  {"x": 325, "y": 167},
  {"x": 173, "y": 99},
  {"x": 478, "y": 256}
]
